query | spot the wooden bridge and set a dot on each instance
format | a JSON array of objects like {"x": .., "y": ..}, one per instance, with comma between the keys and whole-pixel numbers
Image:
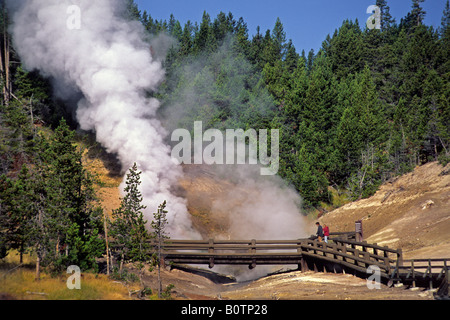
[{"x": 341, "y": 254}]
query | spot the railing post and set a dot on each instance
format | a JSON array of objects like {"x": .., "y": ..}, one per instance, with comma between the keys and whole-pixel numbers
[
  {"x": 363, "y": 246},
  {"x": 400, "y": 257},
  {"x": 446, "y": 270},
  {"x": 356, "y": 254},
  {"x": 334, "y": 249},
  {"x": 314, "y": 245},
  {"x": 299, "y": 251},
  {"x": 387, "y": 264},
  {"x": 211, "y": 251},
  {"x": 253, "y": 251},
  {"x": 359, "y": 231},
  {"x": 304, "y": 264},
  {"x": 375, "y": 250},
  {"x": 431, "y": 274},
  {"x": 368, "y": 262}
]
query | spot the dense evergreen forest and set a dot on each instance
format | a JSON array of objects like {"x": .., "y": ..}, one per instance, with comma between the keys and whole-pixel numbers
[{"x": 370, "y": 105}]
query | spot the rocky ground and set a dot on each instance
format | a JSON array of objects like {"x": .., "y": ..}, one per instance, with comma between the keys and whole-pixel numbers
[
  {"x": 411, "y": 212},
  {"x": 293, "y": 285}
]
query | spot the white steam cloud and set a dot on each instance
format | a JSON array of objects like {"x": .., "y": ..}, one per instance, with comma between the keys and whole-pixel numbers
[
  {"x": 252, "y": 206},
  {"x": 94, "y": 54},
  {"x": 104, "y": 63},
  {"x": 259, "y": 207}
]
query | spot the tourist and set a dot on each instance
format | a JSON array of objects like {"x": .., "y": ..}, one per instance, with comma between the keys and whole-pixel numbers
[
  {"x": 319, "y": 233},
  {"x": 326, "y": 233}
]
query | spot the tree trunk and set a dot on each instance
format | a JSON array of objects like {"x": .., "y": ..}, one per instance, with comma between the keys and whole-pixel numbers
[
  {"x": 7, "y": 75},
  {"x": 38, "y": 267},
  {"x": 39, "y": 247},
  {"x": 21, "y": 252},
  {"x": 159, "y": 267},
  {"x": 106, "y": 241},
  {"x": 5, "y": 57},
  {"x": 121, "y": 262}
]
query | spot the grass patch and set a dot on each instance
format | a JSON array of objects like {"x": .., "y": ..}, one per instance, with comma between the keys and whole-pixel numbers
[
  {"x": 21, "y": 284},
  {"x": 17, "y": 281}
]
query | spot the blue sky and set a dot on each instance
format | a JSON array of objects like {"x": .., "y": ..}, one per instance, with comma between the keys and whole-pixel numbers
[{"x": 306, "y": 22}]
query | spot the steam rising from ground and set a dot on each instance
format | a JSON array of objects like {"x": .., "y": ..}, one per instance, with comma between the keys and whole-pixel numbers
[
  {"x": 258, "y": 207},
  {"x": 106, "y": 66},
  {"x": 255, "y": 206}
]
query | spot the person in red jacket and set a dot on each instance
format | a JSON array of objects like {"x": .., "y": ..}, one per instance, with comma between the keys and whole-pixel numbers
[{"x": 326, "y": 233}]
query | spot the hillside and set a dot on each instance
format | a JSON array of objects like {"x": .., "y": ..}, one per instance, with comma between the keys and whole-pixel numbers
[
  {"x": 411, "y": 212},
  {"x": 106, "y": 169}
]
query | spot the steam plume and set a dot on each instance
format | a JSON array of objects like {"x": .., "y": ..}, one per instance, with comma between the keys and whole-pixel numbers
[
  {"x": 255, "y": 206},
  {"x": 104, "y": 63}
]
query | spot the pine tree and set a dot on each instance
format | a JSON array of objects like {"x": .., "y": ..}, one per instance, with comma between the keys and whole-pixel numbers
[
  {"x": 140, "y": 248},
  {"x": 128, "y": 225},
  {"x": 20, "y": 213},
  {"x": 5, "y": 54},
  {"x": 6, "y": 223},
  {"x": 133, "y": 12},
  {"x": 386, "y": 18},
  {"x": 346, "y": 50},
  {"x": 308, "y": 179},
  {"x": 186, "y": 39},
  {"x": 177, "y": 30},
  {"x": 256, "y": 49},
  {"x": 445, "y": 20},
  {"x": 279, "y": 40},
  {"x": 361, "y": 124},
  {"x": 159, "y": 233},
  {"x": 310, "y": 60},
  {"x": 417, "y": 12},
  {"x": 204, "y": 38},
  {"x": 57, "y": 200},
  {"x": 242, "y": 44}
]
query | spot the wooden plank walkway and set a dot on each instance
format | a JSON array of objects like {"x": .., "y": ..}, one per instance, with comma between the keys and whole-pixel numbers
[
  {"x": 431, "y": 273},
  {"x": 341, "y": 254},
  {"x": 302, "y": 252}
]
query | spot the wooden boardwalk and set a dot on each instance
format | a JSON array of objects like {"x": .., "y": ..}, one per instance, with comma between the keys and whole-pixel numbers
[{"x": 340, "y": 254}]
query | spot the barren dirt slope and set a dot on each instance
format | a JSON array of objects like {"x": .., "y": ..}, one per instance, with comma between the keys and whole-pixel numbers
[{"x": 411, "y": 212}]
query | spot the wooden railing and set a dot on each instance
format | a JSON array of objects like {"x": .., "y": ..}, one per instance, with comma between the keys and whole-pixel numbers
[
  {"x": 422, "y": 270},
  {"x": 340, "y": 254},
  {"x": 354, "y": 255},
  {"x": 344, "y": 235},
  {"x": 249, "y": 252},
  {"x": 347, "y": 253}
]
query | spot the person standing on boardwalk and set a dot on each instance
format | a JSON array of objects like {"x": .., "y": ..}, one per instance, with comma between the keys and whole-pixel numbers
[
  {"x": 319, "y": 233},
  {"x": 326, "y": 233}
]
